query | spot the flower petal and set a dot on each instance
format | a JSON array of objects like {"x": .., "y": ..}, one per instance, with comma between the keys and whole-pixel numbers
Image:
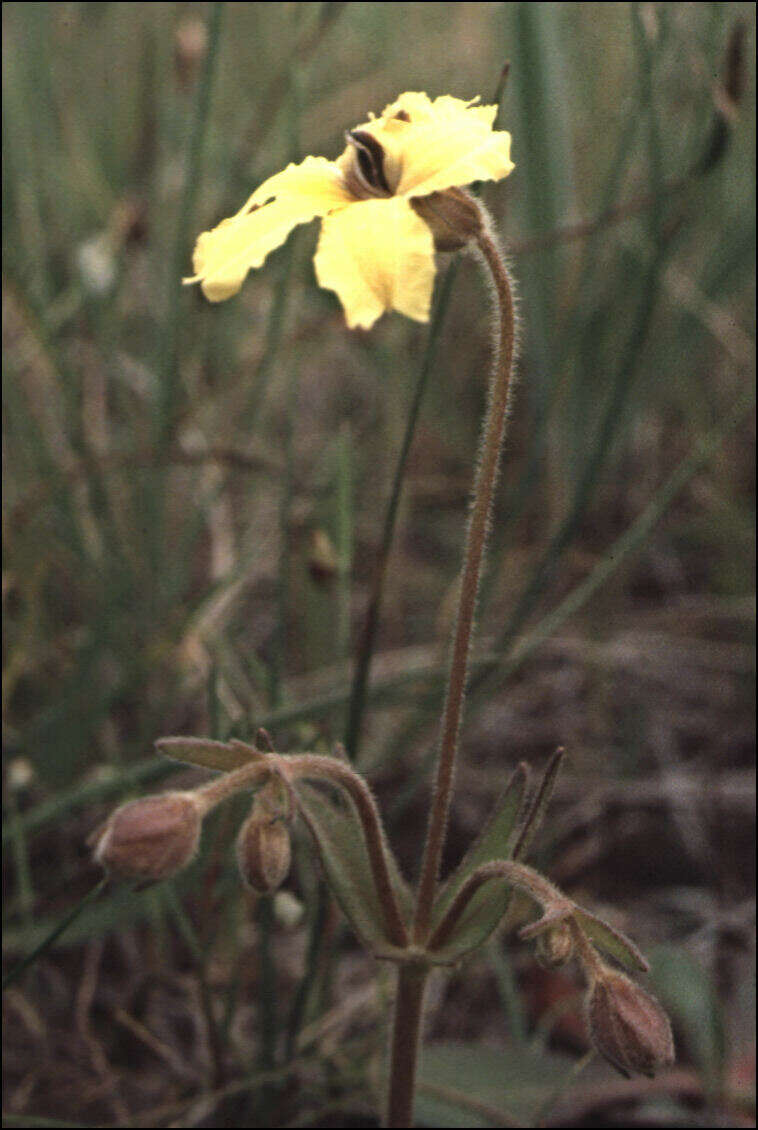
[
  {"x": 224, "y": 255},
  {"x": 315, "y": 179},
  {"x": 377, "y": 255},
  {"x": 433, "y": 145}
]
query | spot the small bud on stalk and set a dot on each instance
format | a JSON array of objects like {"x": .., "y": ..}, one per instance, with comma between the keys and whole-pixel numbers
[
  {"x": 264, "y": 852},
  {"x": 152, "y": 838},
  {"x": 556, "y": 946},
  {"x": 454, "y": 217},
  {"x": 627, "y": 1025}
]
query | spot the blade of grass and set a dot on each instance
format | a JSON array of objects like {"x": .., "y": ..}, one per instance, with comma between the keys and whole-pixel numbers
[
  {"x": 510, "y": 998},
  {"x": 626, "y": 367},
  {"x": 268, "y": 106},
  {"x": 166, "y": 365},
  {"x": 645, "y": 47},
  {"x": 507, "y": 660},
  {"x": 13, "y": 975},
  {"x": 368, "y": 636},
  {"x": 269, "y": 1010},
  {"x": 541, "y": 100},
  {"x": 273, "y": 339},
  {"x": 607, "y": 432},
  {"x": 200, "y": 953},
  {"x": 344, "y": 539},
  {"x": 24, "y": 883}
]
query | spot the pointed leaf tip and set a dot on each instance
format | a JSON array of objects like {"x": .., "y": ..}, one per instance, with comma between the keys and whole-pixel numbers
[{"x": 207, "y": 753}]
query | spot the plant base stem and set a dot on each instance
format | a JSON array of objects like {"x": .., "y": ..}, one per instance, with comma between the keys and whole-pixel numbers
[{"x": 406, "y": 1041}]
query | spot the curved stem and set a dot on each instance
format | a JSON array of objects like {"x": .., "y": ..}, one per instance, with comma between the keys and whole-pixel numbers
[
  {"x": 518, "y": 875},
  {"x": 220, "y": 788},
  {"x": 337, "y": 772},
  {"x": 486, "y": 477}
]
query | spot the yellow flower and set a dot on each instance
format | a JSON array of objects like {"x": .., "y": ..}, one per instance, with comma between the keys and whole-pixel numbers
[{"x": 374, "y": 250}]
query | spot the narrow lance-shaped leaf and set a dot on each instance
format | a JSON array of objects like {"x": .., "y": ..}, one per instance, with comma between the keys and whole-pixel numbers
[
  {"x": 538, "y": 807},
  {"x": 493, "y": 841},
  {"x": 208, "y": 754},
  {"x": 489, "y": 904}
]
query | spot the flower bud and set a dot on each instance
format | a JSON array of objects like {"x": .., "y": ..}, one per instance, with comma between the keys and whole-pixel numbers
[
  {"x": 453, "y": 216},
  {"x": 555, "y": 946},
  {"x": 152, "y": 838},
  {"x": 264, "y": 853},
  {"x": 627, "y": 1025}
]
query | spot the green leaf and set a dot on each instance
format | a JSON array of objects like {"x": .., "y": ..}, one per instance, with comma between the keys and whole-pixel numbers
[
  {"x": 611, "y": 941},
  {"x": 473, "y": 1085},
  {"x": 485, "y": 908},
  {"x": 688, "y": 991},
  {"x": 336, "y": 827},
  {"x": 539, "y": 805},
  {"x": 483, "y": 913},
  {"x": 208, "y": 754}
]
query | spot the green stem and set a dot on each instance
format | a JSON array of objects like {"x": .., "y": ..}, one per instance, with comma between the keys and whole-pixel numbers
[
  {"x": 486, "y": 477},
  {"x": 406, "y": 1042}
]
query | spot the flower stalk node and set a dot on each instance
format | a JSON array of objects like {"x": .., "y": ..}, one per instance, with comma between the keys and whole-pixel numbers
[{"x": 453, "y": 217}]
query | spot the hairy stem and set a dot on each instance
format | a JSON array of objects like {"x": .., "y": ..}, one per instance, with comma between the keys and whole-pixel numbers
[
  {"x": 340, "y": 773},
  {"x": 486, "y": 477},
  {"x": 247, "y": 777},
  {"x": 518, "y": 875},
  {"x": 406, "y": 1041}
]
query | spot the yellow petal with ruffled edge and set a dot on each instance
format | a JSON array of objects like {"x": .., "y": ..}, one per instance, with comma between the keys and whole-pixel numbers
[
  {"x": 297, "y": 195},
  {"x": 377, "y": 255},
  {"x": 444, "y": 143}
]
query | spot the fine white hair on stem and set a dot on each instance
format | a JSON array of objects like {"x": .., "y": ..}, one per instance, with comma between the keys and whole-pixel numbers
[{"x": 477, "y": 531}]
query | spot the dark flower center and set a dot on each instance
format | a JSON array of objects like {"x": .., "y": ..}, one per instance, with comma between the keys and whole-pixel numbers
[{"x": 367, "y": 176}]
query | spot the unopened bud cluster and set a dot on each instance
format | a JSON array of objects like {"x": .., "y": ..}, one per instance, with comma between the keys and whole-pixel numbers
[
  {"x": 154, "y": 838},
  {"x": 626, "y": 1024}
]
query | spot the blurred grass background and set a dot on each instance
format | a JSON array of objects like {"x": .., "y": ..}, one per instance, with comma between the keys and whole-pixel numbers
[{"x": 195, "y": 498}]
